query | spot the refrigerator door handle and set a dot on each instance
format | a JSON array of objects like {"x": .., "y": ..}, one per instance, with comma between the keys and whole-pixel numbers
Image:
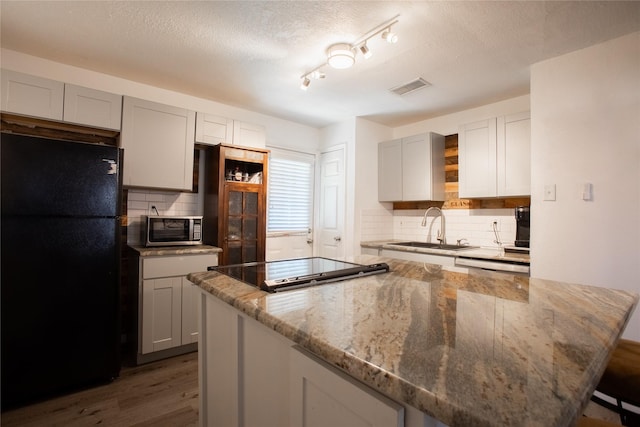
[{"x": 113, "y": 166}]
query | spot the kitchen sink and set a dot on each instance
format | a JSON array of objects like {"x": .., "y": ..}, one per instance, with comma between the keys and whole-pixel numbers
[{"x": 432, "y": 246}]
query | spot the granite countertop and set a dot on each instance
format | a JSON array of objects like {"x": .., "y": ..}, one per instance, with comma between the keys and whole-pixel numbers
[
  {"x": 481, "y": 349},
  {"x": 175, "y": 250},
  {"x": 493, "y": 254}
]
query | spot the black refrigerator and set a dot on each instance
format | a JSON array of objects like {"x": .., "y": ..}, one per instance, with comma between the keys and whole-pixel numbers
[{"x": 60, "y": 251}]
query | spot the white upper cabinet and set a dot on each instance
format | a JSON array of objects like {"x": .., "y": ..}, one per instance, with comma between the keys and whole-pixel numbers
[
  {"x": 213, "y": 130},
  {"x": 92, "y": 107},
  {"x": 411, "y": 169},
  {"x": 514, "y": 155},
  {"x": 249, "y": 135},
  {"x": 494, "y": 157},
  {"x": 423, "y": 167},
  {"x": 158, "y": 143},
  {"x": 390, "y": 171},
  {"x": 31, "y": 95},
  {"x": 49, "y": 99},
  {"x": 477, "y": 159}
]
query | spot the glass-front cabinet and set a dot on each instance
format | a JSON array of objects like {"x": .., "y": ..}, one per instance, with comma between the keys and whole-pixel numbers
[
  {"x": 235, "y": 202},
  {"x": 242, "y": 224}
]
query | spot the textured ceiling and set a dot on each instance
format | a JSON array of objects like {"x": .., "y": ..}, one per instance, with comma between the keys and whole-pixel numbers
[{"x": 252, "y": 54}]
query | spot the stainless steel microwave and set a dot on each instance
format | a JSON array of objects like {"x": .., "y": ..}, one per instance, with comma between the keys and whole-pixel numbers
[{"x": 172, "y": 230}]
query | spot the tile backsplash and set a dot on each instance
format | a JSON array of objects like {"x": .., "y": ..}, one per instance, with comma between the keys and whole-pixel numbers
[
  {"x": 474, "y": 225},
  {"x": 141, "y": 202}
]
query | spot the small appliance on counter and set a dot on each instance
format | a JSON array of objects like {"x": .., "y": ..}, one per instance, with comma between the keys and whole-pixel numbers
[
  {"x": 522, "y": 226},
  {"x": 171, "y": 230}
]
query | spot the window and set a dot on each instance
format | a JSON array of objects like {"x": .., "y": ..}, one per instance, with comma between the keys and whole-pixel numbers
[{"x": 290, "y": 192}]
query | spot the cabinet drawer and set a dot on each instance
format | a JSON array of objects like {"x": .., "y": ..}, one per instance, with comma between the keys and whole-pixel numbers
[{"x": 176, "y": 265}]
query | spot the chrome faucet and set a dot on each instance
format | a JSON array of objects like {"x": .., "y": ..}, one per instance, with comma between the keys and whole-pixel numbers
[{"x": 441, "y": 233}]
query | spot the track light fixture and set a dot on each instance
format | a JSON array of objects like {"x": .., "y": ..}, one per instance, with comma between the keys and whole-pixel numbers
[
  {"x": 389, "y": 36},
  {"x": 365, "y": 51},
  {"x": 343, "y": 55}
]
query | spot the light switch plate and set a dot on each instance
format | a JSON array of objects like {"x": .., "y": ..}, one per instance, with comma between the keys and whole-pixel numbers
[
  {"x": 587, "y": 191},
  {"x": 550, "y": 192}
]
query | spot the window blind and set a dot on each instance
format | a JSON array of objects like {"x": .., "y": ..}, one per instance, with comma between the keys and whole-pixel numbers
[{"x": 290, "y": 192}]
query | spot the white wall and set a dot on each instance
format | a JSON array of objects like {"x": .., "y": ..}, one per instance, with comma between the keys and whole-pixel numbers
[
  {"x": 585, "y": 124},
  {"x": 366, "y": 205},
  {"x": 448, "y": 124}
]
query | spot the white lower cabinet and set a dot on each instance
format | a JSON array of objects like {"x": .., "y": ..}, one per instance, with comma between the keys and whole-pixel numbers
[
  {"x": 320, "y": 395},
  {"x": 170, "y": 315},
  {"x": 189, "y": 315},
  {"x": 250, "y": 375},
  {"x": 428, "y": 258},
  {"x": 161, "y": 314},
  {"x": 168, "y": 303}
]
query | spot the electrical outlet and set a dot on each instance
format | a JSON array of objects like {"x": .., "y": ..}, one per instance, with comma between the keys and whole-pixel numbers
[{"x": 153, "y": 210}]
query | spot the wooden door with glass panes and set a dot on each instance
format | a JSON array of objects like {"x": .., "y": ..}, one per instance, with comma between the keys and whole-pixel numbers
[{"x": 242, "y": 224}]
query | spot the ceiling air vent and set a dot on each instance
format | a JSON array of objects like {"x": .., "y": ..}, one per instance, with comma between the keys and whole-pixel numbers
[{"x": 411, "y": 86}]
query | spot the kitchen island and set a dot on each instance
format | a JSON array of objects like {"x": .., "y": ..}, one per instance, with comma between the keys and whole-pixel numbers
[{"x": 481, "y": 349}]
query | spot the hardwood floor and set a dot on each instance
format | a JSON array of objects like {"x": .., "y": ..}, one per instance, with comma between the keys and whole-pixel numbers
[{"x": 163, "y": 393}]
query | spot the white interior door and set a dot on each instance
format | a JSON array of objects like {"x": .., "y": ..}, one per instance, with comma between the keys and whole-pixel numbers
[
  {"x": 290, "y": 205},
  {"x": 331, "y": 216}
]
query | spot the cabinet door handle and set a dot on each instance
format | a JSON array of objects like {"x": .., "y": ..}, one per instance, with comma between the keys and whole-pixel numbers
[{"x": 337, "y": 238}]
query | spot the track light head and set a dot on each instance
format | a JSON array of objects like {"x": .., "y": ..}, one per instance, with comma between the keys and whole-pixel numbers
[
  {"x": 317, "y": 74},
  {"x": 389, "y": 36},
  {"x": 340, "y": 56},
  {"x": 365, "y": 51},
  {"x": 305, "y": 83}
]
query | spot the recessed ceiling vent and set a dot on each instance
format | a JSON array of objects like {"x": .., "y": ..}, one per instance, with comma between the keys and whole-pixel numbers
[{"x": 411, "y": 86}]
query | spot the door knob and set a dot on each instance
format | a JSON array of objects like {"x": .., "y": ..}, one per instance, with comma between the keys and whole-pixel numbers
[{"x": 337, "y": 238}]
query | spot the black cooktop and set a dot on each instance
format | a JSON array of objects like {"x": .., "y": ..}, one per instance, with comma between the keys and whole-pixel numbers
[{"x": 275, "y": 276}]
